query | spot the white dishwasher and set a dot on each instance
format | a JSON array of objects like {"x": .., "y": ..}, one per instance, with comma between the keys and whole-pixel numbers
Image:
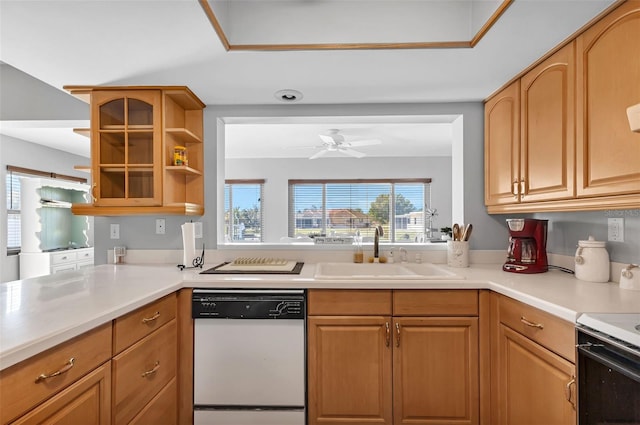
[{"x": 249, "y": 357}]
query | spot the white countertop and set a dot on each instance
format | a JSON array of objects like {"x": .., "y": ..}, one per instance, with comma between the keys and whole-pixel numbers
[{"x": 39, "y": 313}]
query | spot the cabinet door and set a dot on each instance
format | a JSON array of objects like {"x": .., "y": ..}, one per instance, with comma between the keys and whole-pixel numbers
[
  {"x": 502, "y": 146},
  {"x": 126, "y": 147},
  {"x": 547, "y": 129},
  {"x": 349, "y": 370},
  {"x": 436, "y": 371},
  {"x": 608, "y": 153},
  {"x": 86, "y": 402},
  {"x": 535, "y": 386}
]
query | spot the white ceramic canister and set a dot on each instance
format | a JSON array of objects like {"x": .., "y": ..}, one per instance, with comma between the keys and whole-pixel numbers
[
  {"x": 630, "y": 277},
  {"x": 592, "y": 261}
]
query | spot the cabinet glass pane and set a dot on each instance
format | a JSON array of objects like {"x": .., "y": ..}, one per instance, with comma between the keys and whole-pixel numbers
[
  {"x": 140, "y": 113},
  {"x": 141, "y": 147},
  {"x": 112, "y": 148},
  {"x": 141, "y": 183},
  {"x": 112, "y": 183},
  {"x": 112, "y": 114}
]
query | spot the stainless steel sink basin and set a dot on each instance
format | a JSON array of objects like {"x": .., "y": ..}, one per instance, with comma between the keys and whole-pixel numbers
[{"x": 377, "y": 271}]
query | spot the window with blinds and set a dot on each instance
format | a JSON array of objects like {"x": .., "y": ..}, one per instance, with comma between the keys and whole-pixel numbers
[
  {"x": 348, "y": 207},
  {"x": 14, "y": 222},
  {"x": 243, "y": 219}
]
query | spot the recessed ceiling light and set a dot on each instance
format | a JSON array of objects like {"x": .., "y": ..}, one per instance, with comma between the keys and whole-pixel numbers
[{"x": 288, "y": 95}]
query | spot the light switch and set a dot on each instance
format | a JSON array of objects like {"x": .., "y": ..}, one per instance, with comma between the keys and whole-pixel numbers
[{"x": 198, "y": 229}]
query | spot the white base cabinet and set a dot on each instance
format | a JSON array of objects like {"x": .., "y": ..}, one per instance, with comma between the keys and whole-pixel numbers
[{"x": 33, "y": 264}]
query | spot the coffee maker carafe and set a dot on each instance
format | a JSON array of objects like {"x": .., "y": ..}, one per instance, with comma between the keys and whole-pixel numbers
[{"x": 527, "y": 252}]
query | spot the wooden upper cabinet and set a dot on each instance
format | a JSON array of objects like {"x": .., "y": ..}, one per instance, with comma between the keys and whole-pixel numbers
[
  {"x": 126, "y": 148},
  {"x": 502, "y": 146},
  {"x": 608, "y": 81},
  {"x": 134, "y": 133},
  {"x": 547, "y": 161}
]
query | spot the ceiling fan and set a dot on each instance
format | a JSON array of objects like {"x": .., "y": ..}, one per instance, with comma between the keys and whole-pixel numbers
[{"x": 336, "y": 142}]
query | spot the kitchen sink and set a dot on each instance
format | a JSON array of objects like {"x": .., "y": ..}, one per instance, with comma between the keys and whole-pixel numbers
[{"x": 379, "y": 271}]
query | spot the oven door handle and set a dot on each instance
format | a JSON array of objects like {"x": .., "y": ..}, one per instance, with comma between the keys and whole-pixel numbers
[{"x": 609, "y": 362}]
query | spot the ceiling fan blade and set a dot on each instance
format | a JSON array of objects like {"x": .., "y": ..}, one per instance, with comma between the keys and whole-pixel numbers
[
  {"x": 319, "y": 154},
  {"x": 352, "y": 152},
  {"x": 327, "y": 140},
  {"x": 367, "y": 142}
]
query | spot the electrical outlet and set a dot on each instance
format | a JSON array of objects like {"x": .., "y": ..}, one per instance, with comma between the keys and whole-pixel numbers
[
  {"x": 198, "y": 229},
  {"x": 616, "y": 229},
  {"x": 115, "y": 231},
  {"x": 160, "y": 226}
]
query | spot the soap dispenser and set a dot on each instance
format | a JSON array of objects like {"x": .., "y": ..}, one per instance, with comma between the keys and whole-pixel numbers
[{"x": 592, "y": 261}]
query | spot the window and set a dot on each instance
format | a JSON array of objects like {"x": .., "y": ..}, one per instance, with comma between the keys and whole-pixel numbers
[
  {"x": 14, "y": 222},
  {"x": 345, "y": 207},
  {"x": 13, "y": 213},
  {"x": 243, "y": 211}
]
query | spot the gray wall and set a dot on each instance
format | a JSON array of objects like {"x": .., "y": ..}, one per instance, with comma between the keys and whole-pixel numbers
[
  {"x": 489, "y": 232},
  {"x": 23, "y": 97}
]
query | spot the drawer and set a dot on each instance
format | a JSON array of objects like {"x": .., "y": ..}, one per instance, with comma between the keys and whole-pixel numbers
[
  {"x": 84, "y": 254},
  {"x": 139, "y": 323},
  {"x": 84, "y": 264},
  {"x": 140, "y": 372},
  {"x": 163, "y": 409},
  {"x": 348, "y": 302},
  {"x": 63, "y": 268},
  {"x": 435, "y": 302},
  {"x": 19, "y": 384},
  {"x": 63, "y": 257},
  {"x": 547, "y": 330},
  {"x": 86, "y": 402}
]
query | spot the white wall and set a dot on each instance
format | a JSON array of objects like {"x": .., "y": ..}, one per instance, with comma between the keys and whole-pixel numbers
[
  {"x": 27, "y": 155},
  {"x": 277, "y": 172}
]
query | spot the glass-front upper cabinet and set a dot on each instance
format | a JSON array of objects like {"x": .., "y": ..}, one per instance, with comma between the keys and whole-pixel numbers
[{"x": 127, "y": 148}]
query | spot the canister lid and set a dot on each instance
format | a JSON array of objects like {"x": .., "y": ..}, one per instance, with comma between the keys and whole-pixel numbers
[{"x": 592, "y": 243}]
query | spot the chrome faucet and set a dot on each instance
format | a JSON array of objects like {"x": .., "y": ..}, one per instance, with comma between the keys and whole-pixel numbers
[{"x": 376, "y": 243}]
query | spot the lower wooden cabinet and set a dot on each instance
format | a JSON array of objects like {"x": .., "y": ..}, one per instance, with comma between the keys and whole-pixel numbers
[
  {"x": 79, "y": 382},
  {"x": 386, "y": 369},
  {"x": 349, "y": 370},
  {"x": 435, "y": 370},
  {"x": 533, "y": 374},
  {"x": 86, "y": 402}
]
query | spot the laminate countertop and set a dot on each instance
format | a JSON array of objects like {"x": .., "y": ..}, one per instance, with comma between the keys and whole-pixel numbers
[{"x": 39, "y": 313}]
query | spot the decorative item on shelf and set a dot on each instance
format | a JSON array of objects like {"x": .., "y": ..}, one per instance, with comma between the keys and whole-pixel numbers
[
  {"x": 180, "y": 156},
  {"x": 358, "y": 254},
  {"x": 119, "y": 252},
  {"x": 446, "y": 233}
]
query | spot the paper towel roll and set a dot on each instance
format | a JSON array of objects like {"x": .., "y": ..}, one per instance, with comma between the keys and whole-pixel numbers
[{"x": 189, "y": 244}]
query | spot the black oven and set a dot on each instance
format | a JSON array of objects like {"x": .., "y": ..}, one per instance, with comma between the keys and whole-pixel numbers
[{"x": 608, "y": 379}]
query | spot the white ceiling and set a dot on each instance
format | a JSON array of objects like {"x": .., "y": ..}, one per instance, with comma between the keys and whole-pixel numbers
[{"x": 172, "y": 42}]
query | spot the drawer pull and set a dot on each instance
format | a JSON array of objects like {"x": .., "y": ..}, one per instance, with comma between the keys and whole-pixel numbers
[
  {"x": 152, "y": 371},
  {"x": 64, "y": 369},
  {"x": 152, "y": 318},
  {"x": 530, "y": 323},
  {"x": 388, "y": 337},
  {"x": 567, "y": 392}
]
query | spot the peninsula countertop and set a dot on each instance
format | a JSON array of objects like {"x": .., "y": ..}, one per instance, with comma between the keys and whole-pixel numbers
[{"x": 39, "y": 313}]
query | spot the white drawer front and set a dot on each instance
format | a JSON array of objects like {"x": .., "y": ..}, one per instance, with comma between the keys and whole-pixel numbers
[
  {"x": 84, "y": 254},
  {"x": 63, "y": 257},
  {"x": 63, "y": 268}
]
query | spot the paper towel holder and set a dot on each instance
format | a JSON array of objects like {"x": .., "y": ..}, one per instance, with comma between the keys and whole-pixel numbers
[{"x": 197, "y": 263}]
